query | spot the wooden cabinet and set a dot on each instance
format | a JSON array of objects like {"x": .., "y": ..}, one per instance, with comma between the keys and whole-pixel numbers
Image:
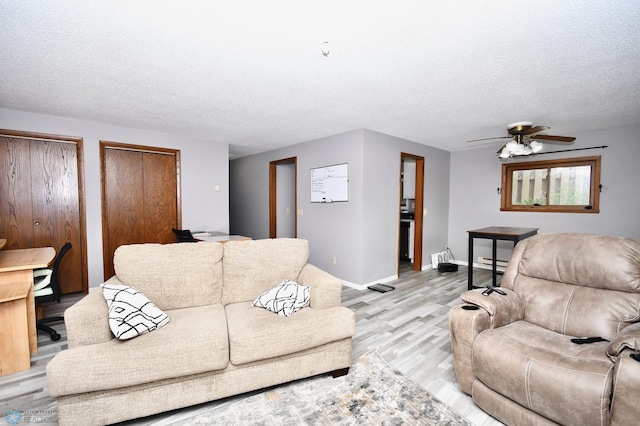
[
  {"x": 140, "y": 192},
  {"x": 40, "y": 199}
]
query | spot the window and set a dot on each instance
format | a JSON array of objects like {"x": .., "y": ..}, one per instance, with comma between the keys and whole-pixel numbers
[{"x": 569, "y": 185}]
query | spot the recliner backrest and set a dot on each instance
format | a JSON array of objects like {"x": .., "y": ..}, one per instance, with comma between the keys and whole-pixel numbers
[{"x": 577, "y": 284}]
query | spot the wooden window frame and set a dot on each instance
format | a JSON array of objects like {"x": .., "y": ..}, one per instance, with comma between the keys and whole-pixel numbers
[{"x": 594, "y": 190}]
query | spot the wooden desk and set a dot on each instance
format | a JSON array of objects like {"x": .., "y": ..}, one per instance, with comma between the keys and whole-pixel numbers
[
  {"x": 17, "y": 306},
  {"x": 496, "y": 233}
]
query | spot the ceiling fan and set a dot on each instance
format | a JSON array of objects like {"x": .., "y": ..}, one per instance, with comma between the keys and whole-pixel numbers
[{"x": 525, "y": 139}]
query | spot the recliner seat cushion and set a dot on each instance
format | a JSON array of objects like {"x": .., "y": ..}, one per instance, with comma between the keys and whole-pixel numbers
[
  {"x": 194, "y": 341},
  {"x": 545, "y": 372},
  {"x": 256, "y": 334}
]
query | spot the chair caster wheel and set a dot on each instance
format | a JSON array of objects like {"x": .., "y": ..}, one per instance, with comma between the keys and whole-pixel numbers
[{"x": 55, "y": 337}]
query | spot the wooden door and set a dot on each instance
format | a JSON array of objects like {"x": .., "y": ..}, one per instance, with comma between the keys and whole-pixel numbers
[
  {"x": 40, "y": 199},
  {"x": 140, "y": 192}
]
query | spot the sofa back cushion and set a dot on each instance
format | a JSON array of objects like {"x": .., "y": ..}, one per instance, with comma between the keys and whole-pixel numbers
[
  {"x": 172, "y": 276},
  {"x": 577, "y": 284},
  {"x": 253, "y": 267}
]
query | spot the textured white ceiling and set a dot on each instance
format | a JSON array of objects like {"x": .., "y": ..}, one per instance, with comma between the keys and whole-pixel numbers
[{"x": 251, "y": 74}]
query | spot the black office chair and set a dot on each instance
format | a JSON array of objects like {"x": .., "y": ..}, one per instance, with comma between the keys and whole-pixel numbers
[
  {"x": 184, "y": 236},
  {"x": 46, "y": 288}
]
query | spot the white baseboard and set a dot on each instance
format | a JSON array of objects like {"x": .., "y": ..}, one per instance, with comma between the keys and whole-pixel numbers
[
  {"x": 380, "y": 281},
  {"x": 364, "y": 286}
]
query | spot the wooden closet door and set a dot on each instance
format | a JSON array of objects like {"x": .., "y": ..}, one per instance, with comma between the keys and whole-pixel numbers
[
  {"x": 16, "y": 213},
  {"x": 140, "y": 197},
  {"x": 40, "y": 204}
]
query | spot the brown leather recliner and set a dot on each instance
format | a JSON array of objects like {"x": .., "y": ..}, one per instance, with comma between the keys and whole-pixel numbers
[{"x": 514, "y": 353}]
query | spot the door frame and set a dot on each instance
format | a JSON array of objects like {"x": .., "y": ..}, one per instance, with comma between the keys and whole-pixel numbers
[
  {"x": 418, "y": 220},
  {"x": 273, "y": 207},
  {"x": 78, "y": 142}
]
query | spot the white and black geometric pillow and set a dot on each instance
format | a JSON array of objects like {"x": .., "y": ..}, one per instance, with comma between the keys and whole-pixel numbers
[
  {"x": 130, "y": 312},
  {"x": 284, "y": 299}
]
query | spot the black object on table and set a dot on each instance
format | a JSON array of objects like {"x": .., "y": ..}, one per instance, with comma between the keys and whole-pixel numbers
[{"x": 496, "y": 233}]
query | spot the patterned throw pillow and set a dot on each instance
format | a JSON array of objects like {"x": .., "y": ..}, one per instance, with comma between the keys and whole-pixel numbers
[
  {"x": 130, "y": 312},
  {"x": 284, "y": 299}
]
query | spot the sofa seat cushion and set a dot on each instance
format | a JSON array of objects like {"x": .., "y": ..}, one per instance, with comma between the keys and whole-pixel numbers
[
  {"x": 545, "y": 372},
  {"x": 256, "y": 334},
  {"x": 194, "y": 341}
]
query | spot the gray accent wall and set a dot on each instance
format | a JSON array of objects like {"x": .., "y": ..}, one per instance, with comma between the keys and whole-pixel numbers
[
  {"x": 362, "y": 234},
  {"x": 475, "y": 202}
]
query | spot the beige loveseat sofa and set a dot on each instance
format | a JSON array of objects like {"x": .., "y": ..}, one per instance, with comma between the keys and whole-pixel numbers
[
  {"x": 515, "y": 355},
  {"x": 216, "y": 344}
]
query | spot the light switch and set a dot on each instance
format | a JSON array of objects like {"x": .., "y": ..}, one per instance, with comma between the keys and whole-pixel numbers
[{"x": 216, "y": 188}]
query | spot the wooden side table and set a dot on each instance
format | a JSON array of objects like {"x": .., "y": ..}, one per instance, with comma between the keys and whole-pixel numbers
[
  {"x": 17, "y": 306},
  {"x": 496, "y": 233}
]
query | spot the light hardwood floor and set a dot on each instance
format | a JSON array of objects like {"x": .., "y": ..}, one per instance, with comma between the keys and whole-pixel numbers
[{"x": 408, "y": 326}]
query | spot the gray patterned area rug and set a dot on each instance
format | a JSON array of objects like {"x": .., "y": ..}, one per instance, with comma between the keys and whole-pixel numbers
[{"x": 373, "y": 393}]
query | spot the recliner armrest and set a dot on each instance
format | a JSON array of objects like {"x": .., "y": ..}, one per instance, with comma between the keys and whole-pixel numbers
[
  {"x": 502, "y": 310},
  {"x": 626, "y": 387},
  {"x": 326, "y": 290},
  {"x": 629, "y": 337},
  {"x": 87, "y": 321}
]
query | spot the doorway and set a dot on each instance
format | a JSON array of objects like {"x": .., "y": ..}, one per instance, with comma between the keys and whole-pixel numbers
[
  {"x": 411, "y": 212},
  {"x": 283, "y": 198}
]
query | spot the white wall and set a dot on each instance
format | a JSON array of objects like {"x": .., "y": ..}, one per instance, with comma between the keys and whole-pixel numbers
[
  {"x": 475, "y": 203},
  {"x": 382, "y": 202},
  {"x": 333, "y": 229},
  {"x": 204, "y": 165},
  {"x": 362, "y": 234}
]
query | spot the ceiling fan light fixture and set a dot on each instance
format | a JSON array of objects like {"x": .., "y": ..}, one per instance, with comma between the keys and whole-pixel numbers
[
  {"x": 512, "y": 146},
  {"x": 504, "y": 153},
  {"x": 536, "y": 146}
]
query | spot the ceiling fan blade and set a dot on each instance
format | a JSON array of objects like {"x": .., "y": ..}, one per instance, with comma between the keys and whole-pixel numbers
[
  {"x": 554, "y": 138},
  {"x": 535, "y": 129},
  {"x": 488, "y": 139}
]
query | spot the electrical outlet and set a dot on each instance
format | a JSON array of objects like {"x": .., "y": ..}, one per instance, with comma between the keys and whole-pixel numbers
[{"x": 333, "y": 260}]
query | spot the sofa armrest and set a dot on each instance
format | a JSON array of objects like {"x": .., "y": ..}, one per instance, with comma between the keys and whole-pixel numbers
[
  {"x": 629, "y": 337},
  {"x": 87, "y": 321},
  {"x": 326, "y": 290},
  {"x": 502, "y": 310}
]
